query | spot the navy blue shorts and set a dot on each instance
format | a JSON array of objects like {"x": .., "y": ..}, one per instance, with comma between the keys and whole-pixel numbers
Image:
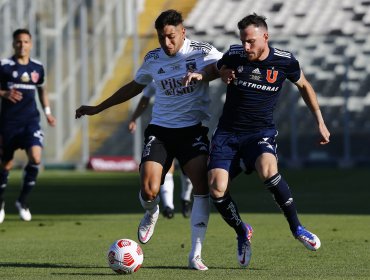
[
  {"x": 234, "y": 151},
  {"x": 13, "y": 138}
]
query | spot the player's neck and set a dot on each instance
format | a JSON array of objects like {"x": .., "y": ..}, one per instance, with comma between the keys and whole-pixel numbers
[
  {"x": 23, "y": 60},
  {"x": 265, "y": 54}
]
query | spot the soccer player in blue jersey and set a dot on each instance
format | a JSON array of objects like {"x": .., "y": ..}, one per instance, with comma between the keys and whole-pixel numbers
[
  {"x": 20, "y": 78},
  {"x": 175, "y": 130},
  {"x": 246, "y": 132}
]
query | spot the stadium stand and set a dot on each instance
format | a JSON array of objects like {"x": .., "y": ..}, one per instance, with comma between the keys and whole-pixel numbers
[{"x": 330, "y": 39}]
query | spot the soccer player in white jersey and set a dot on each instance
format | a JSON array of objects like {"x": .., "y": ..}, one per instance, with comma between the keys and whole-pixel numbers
[
  {"x": 167, "y": 188},
  {"x": 175, "y": 130}
]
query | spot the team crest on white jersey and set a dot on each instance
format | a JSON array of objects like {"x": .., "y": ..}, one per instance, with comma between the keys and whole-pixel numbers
[{"x": 191, "y": 65}]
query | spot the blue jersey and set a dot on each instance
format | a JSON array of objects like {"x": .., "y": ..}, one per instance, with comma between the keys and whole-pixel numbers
[
  {"x": 252, "y": 96},
  {"x": 23, "y": 78}
]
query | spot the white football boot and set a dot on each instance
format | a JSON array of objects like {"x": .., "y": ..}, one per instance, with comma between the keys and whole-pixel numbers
[
  {"x": 24, "y": 212},
  {"x": 197, "y": 264},
  {"x": 309, "y": 240},
  {"x": 146, "y": 226}
]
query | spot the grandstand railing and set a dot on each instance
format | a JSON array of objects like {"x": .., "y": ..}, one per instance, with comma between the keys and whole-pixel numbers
[{"x": 77, "y": 41}]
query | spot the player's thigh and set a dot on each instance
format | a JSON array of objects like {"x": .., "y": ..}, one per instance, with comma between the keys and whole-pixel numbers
[
  {"x": 225, "y": 153},
  {"x": 196, "y": 170},
  {"x": 34, "y": 154},
  {"x": 156, "y": 160},
  {"x": 172, "y": 168},
  {"x": 266, "y": 166},
  {"x": 259, "y": 152},
  {"x": 218, "y": 181},
  {"x": 32, "y": 136}
]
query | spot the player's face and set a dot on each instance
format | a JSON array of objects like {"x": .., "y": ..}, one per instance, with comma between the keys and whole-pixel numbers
[
  {"x": 22, "y": 45},
  {"x": 171, "y": 38},
  {"x": 254, "y": 40}
]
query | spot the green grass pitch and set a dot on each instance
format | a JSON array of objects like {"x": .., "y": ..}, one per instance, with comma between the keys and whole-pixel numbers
[{"x": 77, "y": 215}]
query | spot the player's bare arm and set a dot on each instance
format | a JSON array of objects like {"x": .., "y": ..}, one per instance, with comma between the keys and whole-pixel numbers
[
  {"x": 44, "y": 100},
  {"x": 310, "y": 98},
  {"x": 141, "y": 107},
  {"x": 208, "y": 73},
  {"x": 123, "y": 94},
  {"x": 12, "y": 95}
]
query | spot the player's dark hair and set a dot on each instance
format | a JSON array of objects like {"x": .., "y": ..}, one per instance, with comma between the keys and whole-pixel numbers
[
  {"x": 253, "y": 19},
  {"x": 21, "y": 31},
  {"x": 169, "y": 17}
]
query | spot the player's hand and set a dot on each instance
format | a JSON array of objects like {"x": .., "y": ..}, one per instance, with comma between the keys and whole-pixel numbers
[
  {"x": 192, "y": 76},
  {"x": 226, "y": 74},
  {"x": 324, "y": 133},
  {"x": 51, "y": 120},
  {"x": 13, "y": 95},
  {"x": 132, "y": 126},
  {"x": 86, "y": 110}
]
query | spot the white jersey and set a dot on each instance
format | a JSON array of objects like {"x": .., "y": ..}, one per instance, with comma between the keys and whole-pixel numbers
[{"x": 177, "y": 106}]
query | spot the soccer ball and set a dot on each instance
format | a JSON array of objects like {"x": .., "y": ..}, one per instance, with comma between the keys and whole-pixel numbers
[{"x": 125, "y": 256}]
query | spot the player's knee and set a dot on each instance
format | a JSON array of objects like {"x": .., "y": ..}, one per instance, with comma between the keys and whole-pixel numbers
[
  {"x": 266, "y": 168},
  {"x": 34, "y": 160},
  {"x": 149, "y": 192},
  {"x": 217, "y": 187}
]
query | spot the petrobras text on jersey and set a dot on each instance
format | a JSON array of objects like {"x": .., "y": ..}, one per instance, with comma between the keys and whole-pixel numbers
[
  {"x": 239, "y": 82},
  {"x": 21, "y": 86}
]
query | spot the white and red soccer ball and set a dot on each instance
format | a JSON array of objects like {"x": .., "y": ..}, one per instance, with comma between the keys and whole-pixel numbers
[{"x": 125, "y": 256}]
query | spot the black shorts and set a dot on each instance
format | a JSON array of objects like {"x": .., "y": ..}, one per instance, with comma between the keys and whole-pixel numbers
[{"x": 163, "y": 144}]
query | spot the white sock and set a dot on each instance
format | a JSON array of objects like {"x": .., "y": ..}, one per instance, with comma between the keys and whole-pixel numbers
[
  {"x": 186, "y": 188},
  {"x": 151, "y": 205},
  {"x": 167, "y": 191},
  {"x": 199, "y": 222}
]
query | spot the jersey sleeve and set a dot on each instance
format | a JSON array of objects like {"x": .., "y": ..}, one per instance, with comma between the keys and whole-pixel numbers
[
  {"x": 149, "y": 90},
  {"x": 225, "y": 59},
  {"x": 143, "y": 75},
  {"x": 213, "y": 56},
  {"x": 294, "y": 70},
  {"x": 41, "y": 80}
]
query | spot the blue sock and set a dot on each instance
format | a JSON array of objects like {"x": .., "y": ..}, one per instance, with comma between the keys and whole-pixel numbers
[
  {"x": 283, "y": 197},
  {"x": 29, "y": 181},
  {"x": 229, "y": 212}
]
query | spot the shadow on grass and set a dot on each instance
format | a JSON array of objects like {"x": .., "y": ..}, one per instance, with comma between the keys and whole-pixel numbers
[
  {"x": 44, "y": 265},
  {"x": 315, "y": 191}
]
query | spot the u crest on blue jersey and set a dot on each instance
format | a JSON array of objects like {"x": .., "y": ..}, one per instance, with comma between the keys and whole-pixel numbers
[{"x": 271, "y": 75}]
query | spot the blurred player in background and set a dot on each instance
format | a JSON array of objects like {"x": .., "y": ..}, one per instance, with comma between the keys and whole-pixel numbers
[
  {"x": 246, "y": 132},
  {"x": 175, "y": 130},
  {"x": 20, "y": 78},
  {"x": 167, "y": 189}
]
